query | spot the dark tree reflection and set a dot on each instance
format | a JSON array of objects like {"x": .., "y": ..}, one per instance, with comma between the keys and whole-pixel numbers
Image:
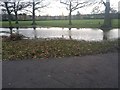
[
  {"x": 69, "y": 33},
  {"x": 35, "y": 32}
]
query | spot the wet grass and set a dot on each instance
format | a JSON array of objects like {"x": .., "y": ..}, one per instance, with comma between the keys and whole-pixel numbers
[
  {"x": 28, "y": 49},
  {"x": 88, "y": 23}
]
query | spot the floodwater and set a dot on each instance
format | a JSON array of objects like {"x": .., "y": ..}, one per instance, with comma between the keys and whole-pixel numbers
[{"x": 87, "y": 34}]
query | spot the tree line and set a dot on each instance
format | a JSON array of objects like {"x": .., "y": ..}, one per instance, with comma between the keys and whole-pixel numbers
[
  {"x": 15, "y": 6},
  {"x": 25, "y": 17}
]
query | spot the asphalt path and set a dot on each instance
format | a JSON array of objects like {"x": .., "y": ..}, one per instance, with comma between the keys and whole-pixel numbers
[{"x": 92, "y": 71}]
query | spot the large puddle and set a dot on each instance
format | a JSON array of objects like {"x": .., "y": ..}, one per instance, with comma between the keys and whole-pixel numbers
[{"x": 87, "y": 34}]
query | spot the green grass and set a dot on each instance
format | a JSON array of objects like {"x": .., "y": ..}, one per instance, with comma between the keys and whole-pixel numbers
[
  {"x": 89, "y": 23},
  {"x": 27, "y": 49}
]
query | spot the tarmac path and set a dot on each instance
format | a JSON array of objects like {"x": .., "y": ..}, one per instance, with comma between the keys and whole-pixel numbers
[{"x": 92, "y": 71}]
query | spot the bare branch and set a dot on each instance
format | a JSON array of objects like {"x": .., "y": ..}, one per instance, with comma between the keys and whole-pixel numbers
[
  {"x": 39, "y": 2},
  {"x": 78, "y": 8},
  {"x": 2, "y": 5},
  {"x": 64, "y": 3},
  {"x": 39, "y": 10},
  {"x": 18, "y": 4},
  {"x": 22, "y": 6},
  {"x": 67, "y": 8},
  {"x": 103, "y": 2},
  {"x": 79, "y": 4},
  {"x": 28, "y": 10},
  {"x": 40, "y": 7}
]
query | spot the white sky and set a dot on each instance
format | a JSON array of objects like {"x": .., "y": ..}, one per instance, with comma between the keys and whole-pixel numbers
[{"x": 56, "y": 8}]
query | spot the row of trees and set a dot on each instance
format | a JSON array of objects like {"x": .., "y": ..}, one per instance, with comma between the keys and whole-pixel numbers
[
  {"x": 25, "y": 17},
  {"x": 14, "y": 6},
  {"x": 73, "y": 5}
]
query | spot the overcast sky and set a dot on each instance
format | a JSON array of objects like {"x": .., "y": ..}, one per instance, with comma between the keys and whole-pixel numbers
[{"x": 56, "y": 8}]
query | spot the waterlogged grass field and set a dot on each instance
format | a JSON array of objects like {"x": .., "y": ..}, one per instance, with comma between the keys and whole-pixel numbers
[
  {"x": 88, "y": 23},
  {"x": 27, "y": 49}
]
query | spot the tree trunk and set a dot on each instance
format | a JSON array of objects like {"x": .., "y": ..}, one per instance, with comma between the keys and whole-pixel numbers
[
  {"x": 16, "y": 17},
  {"x": 70, "y": 36},
  {"x": 16, "y": 22},
  {"x": 35, "y": 33},
  {"x": 107, "y": 19},
  {"x": 104, "y": 35},
  {"x": 9, "y": 17},
  {"x": 17, "y": 28},
  {"x": 33, "y": 23},
  {"x": 70, "y": 22}
]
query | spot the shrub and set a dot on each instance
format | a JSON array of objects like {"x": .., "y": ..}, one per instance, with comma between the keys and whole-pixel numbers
[{"x": 13, "y": 37}]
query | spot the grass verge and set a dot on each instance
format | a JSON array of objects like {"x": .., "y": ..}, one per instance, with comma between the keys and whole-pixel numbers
[
  {"x": 27, "y": 49},
  {"x": 87, "y": 23}
]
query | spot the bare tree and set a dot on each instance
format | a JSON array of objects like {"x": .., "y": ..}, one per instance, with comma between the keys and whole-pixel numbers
[
  {"x": 14, "y": 7},
  {"x": 97, "y": 8},
  {"x": 107, "y": 19},
  {"x": 36, "y": 5},
  {"x": 19, "y": 5},
  {"x": 73, "y": 5},
  {"x": 108, "y": 9},
  {"x": 7, "y": 6}
]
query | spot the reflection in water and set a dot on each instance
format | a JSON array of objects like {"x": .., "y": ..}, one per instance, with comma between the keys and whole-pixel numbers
[
  {"x": 10, "y": 28},
  {"x": 87, "y": 34},
  {"x": 35, "y": 33},
  {"x": 17, "y": 28},
  {"x": 104, "y": 35},
  {"x": 69, "y": 33},
  {"x": 113, "y": 34}
]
